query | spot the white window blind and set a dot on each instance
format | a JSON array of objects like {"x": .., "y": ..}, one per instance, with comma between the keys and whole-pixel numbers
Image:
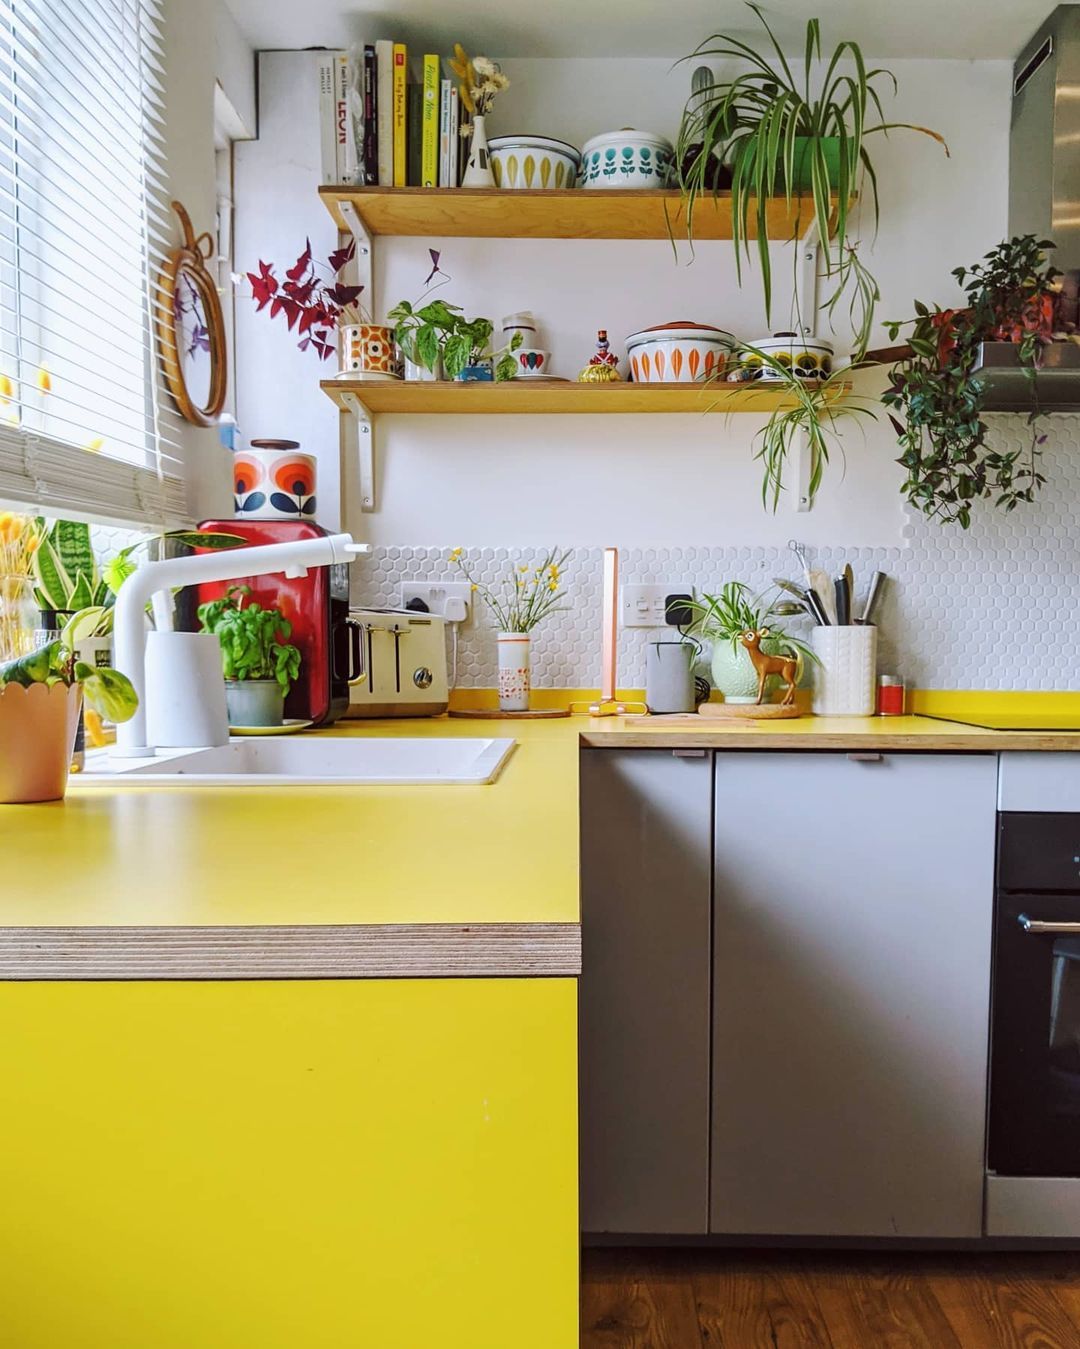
[{"x": 84, "y": 227}]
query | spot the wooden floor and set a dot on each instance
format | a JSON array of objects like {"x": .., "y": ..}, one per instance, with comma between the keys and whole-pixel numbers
[{"x": 696, "y": 1299}]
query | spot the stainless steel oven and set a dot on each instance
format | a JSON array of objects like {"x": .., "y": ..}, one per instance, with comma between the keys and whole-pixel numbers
[{"x": 1034, "y": 1121}]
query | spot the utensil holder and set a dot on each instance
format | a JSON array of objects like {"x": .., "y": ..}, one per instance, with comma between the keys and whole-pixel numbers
[{"x": 845, "y": 680}]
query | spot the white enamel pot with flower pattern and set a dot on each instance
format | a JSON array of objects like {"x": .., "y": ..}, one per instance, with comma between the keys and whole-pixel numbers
[{"x": 678, "y": 353}]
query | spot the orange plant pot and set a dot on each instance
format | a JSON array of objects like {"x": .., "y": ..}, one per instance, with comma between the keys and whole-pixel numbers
[{"x": 37, "y": 735}]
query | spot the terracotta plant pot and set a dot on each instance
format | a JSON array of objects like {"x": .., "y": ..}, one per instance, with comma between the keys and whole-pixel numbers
[{"x": 37, "y": 734}]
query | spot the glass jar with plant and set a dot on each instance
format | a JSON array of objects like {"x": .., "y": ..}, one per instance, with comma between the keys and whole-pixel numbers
[
  {"x": 785, "y": 134},
  {"x": 258, "y": 663},
  {"x": 937, "y": 392},
  {"x": 527, "y": 595},
  {"x": 41, "y": 693},
  {"x": 467, "y": 353},
  {"x": 722, "y": 619},
  {"x": 20, "y": 538}
]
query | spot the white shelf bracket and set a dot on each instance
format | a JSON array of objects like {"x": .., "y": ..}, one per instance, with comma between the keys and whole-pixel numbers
[
  {"x": 364, "y": 434},
  {"x": 802, "y": 474},
  {"x": 364, "y": 260},
  {"x": 806, "y": 282}
]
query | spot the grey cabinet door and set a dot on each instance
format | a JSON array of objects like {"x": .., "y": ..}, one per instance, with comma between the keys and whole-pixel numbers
[
  {"x": 646, "y": 864},
  {"x": 852, "y": 930}
]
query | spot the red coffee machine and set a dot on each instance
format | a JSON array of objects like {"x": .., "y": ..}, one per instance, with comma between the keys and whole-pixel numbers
[{"x": 317, "y": 606}]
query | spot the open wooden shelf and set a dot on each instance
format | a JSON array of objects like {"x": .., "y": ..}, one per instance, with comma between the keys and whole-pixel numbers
[
  {"x": 575, "y": 213},
  {"x": 526, "y": 396}
]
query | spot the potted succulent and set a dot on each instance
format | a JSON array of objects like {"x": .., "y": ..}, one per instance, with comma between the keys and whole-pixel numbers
[
  {"x": 41, "y": 695},
  {"x": 1011, "y": 297},
  {"x": 721, "y": 619},
  {"x": 258, "y": 663},
  {"x": 527, "y": 596},
  {"x": 785, "y": 131}
]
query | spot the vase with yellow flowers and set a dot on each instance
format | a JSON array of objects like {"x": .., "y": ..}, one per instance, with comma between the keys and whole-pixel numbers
[
  {"x": 528, "y": 593},
  {"x": 20, "y": 538},
  {"x": 480, "y": 81}
]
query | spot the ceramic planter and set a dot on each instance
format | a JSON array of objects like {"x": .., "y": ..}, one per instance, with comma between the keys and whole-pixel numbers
[
  {"x": 416, "y": 373},
  {"x": 481, "y": 373},
  {"x": 733, "y": 672},
  {"x": 369, "y": 352},
  {"x": 522, "y": 162},
  {"x": 809, "y": 358},
  {"x": 677, "y": 353},
  {"x": 515, "y": 673},
  {"x": 626, "y": 158},
  {"x": 254, "y": 702},
  {"x": 273, "y": 481},
  {"x": 37, "y": 735}
]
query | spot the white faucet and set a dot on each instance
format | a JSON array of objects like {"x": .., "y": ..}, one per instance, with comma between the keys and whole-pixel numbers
[{"x": 146, "y": 584}]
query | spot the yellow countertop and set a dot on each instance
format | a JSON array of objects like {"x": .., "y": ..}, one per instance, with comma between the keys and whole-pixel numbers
[{"x": 121, "y": 855}]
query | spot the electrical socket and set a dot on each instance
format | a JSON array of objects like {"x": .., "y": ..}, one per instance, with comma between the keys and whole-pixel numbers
[
  {"x": 436, "y": 593},
  {"x": 642, "y": 606}
]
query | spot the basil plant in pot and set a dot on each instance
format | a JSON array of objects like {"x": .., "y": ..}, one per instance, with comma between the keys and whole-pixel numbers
[
  {"x": 721, "y": 619},
  {"x": 259, "y": 664}
]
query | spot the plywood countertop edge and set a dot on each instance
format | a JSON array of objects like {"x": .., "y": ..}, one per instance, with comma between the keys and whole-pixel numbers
[
  {"x": 755, "y": 741},
  {"x": 372, "y": 951}
]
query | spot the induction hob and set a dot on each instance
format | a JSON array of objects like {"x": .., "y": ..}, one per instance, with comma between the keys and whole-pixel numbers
[{"x": 1017, "y": 721}]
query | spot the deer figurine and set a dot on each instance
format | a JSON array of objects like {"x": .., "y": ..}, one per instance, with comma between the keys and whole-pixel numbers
[{"x": 787, "y": 667}]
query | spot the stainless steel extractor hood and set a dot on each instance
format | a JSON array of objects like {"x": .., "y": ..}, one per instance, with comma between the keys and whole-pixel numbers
[{"x": 1044, "y": 200}]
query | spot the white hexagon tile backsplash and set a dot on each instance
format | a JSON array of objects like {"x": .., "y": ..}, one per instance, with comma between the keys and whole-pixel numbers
[{"x": 993, "y": 608}]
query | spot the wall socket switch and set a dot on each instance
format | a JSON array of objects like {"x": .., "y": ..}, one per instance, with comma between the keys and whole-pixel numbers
[
  {"x": 435, "y": 595},
  {"x": 642, "y": 606}
]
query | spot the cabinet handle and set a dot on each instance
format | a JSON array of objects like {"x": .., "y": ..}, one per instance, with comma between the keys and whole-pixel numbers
[
  {"x": 688, "y": 753},
  {"x": 865, "y": 758},
  {"x": 1037, "y": 926}
]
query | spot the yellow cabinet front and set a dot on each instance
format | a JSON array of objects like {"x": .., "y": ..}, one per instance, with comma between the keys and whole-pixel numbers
[{"x": 378, "y": 1164}]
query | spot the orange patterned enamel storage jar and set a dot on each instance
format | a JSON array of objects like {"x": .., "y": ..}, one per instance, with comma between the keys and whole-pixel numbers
[{"x": 678, "y": 353}]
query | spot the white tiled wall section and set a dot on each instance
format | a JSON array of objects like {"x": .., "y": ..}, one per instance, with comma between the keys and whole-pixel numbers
[{"x": 994, "y": 608}]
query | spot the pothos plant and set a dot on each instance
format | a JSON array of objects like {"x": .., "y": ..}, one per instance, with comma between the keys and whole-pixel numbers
[
  {"x": 725, "y": 617},
  {"x": 939, "y": 396}
]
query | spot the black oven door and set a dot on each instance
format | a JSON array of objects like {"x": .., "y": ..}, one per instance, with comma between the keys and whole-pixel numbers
[{"x": 1034, "y": 1126}]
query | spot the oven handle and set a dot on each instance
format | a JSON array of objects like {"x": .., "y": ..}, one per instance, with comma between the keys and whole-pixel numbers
[{"x": 1036, "y": 926}]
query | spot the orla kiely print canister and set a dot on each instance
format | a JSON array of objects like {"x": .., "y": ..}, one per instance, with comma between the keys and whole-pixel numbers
[{"x": 273, "y": 481}]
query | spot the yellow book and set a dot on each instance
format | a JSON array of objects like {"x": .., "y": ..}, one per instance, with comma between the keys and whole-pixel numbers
[
  {"x": 429, "y": 162},
  {"x": 400, "y": 156}
]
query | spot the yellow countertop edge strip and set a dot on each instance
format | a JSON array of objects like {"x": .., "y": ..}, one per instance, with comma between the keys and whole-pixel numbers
[{"x": 920, "y": 702}]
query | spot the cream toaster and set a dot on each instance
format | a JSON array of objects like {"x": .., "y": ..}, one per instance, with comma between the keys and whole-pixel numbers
[{"x": 406, "y": 664}]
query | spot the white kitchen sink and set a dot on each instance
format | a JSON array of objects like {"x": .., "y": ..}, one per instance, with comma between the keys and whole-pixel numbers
[{"x": 326, "y": 760}]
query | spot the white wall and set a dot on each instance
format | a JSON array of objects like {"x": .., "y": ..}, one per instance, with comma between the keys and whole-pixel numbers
[
  {"x": 645, "y": 480},
  {"x": 192, "y": 53}
]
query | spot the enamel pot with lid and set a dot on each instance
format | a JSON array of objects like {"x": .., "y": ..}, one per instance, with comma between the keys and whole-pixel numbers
[{"x": 680, "y": 352}]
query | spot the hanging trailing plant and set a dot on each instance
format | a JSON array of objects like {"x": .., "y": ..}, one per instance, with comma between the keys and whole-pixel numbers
[
  {"x": 938, "y": 394},
  {"x": 784, "y": 134}
]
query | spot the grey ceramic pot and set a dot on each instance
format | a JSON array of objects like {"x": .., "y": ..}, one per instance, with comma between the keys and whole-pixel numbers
[{"x": 254, "y": 702}]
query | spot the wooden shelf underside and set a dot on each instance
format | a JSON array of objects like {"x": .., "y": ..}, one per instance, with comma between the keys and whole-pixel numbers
[
  {"x": 524, "y": 396},
  {"x": 577, "y": 213}
]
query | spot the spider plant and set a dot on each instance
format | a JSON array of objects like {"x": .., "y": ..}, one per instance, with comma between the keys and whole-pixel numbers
[
  {"x": 819, "y": 408},
  {"x": 725, "y": 617},
  {"x": 782, "y": 127}
]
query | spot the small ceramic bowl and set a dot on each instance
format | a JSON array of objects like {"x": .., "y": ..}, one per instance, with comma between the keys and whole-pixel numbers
[
  {"x": 678, "y": 353},
  {"x": 626, "y": 158},
  {"x": 809, "y": 357},
  {"x": 522, "y": 162},
  {"x": 531, "y": 362}
]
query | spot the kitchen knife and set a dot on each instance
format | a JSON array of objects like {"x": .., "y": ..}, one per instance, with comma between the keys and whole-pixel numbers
[
  {"x": 843, "y": 601},
  {"x": 823, "y": 587},
  {"x": 873, "y": 596}
]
